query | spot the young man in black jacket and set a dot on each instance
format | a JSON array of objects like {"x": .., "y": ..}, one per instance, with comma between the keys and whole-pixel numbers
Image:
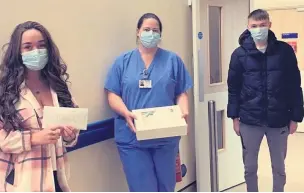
[{"x": 265, "y": 97}]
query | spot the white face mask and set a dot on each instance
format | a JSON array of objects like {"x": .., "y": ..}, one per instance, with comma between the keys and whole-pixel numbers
[
  {"x": 149, "y": 39},
  {"x": 259, "y": 34},
  {"x": 35, "y": 59}
]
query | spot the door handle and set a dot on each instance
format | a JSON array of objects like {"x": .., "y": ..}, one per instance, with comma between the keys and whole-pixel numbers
[{"x": 213, "y": 147}]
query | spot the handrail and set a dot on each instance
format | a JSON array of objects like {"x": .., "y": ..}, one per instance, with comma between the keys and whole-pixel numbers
[{"x": 96, "y": 132}]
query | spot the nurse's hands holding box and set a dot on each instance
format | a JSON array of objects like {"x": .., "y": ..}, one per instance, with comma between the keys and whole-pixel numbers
[
  {"x": 160, "y": 122},
  {"x": 129, "y": 116},
  {"x": 185, "y": 116}
]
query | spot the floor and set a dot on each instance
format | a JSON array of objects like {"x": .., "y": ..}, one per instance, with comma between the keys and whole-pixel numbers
[{"x": 294, "y": 167}]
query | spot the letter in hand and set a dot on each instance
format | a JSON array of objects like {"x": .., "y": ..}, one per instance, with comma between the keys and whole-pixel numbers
[{"x": 46, "y": 136}]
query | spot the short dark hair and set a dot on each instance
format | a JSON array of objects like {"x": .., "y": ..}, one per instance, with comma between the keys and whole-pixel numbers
[
  {"x": 258, "y": 15},
  {"x": 148, "y": 16}
]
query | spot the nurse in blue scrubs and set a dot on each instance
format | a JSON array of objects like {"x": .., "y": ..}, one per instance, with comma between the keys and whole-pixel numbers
[{"x": 146, "y": 77}]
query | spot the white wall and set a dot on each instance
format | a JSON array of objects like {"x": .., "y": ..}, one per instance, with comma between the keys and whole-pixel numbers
[
  {"x": 97, "y": 168},
  {"x": 275, "y": 4},
  {"x": 90, "y": 34}
]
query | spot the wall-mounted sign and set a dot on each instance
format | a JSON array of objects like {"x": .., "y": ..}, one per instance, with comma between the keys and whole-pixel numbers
[
  {"x": 293, "y": 45},
  {"x": 200, "y": 35},
  {"x": 289, "y": 35}
]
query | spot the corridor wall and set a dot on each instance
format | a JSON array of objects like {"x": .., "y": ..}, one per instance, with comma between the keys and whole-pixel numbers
[
  {"x": 90, "y": 34},
  {"x": 276, "y": 4}
]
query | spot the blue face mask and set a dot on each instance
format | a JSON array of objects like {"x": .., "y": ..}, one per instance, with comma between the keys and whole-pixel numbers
[
  {"x": 149, "y": 39},
  {"x": 259, "y": 34},
  {"x": 35, "y": 59}
]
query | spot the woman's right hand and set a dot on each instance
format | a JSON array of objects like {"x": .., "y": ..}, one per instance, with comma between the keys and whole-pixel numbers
[
  {"x": 46, "y": 136},
  {"x": 129, "y": 116}
]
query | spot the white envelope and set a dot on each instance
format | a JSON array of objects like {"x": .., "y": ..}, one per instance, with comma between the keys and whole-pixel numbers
[{"x": 75, "y": 117}]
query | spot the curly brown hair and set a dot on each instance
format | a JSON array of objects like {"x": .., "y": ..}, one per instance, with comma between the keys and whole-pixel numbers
[{"x": 12, "y": 74}]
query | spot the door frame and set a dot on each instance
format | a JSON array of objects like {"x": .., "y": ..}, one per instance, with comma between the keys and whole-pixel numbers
[
  {"x": 202, "y": 141},
  {"x": 202, "y": 169}
]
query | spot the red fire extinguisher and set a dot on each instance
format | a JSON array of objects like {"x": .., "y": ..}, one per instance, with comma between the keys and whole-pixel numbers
[{"x": 178, "y": 168}]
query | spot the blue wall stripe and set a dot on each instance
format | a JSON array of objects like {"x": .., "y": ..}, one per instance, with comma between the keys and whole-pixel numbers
[{"x": 95, "y": 133}]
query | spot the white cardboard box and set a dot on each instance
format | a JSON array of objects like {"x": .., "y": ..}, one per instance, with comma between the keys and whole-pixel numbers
[{"x": 159, "y": 122}]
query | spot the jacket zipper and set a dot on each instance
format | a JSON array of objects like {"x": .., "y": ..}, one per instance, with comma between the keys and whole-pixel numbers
[{"x": 265, "y": 109}]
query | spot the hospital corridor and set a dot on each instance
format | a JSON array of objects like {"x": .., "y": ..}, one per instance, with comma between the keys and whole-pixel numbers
[
  {"x": 151, "y": 96},
  {"x": 293, "y": 167}
]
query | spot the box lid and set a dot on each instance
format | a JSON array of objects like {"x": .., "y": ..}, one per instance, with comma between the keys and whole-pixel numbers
[{"x": 158, "y": 118}]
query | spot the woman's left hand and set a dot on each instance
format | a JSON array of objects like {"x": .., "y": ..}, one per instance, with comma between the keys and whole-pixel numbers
[{"x": 68, "y": 133}]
